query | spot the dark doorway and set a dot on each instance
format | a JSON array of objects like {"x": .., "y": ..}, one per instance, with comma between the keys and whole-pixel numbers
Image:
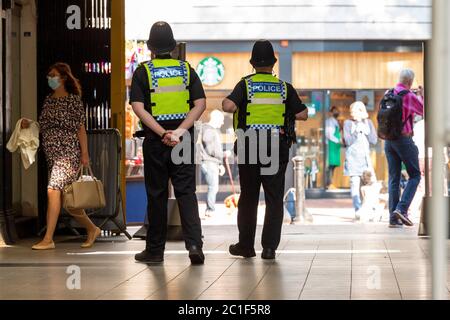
[{"x": 6, "y": 212}]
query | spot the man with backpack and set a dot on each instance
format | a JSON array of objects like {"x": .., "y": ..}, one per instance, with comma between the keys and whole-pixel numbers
[{"x": 396, "y": 121}]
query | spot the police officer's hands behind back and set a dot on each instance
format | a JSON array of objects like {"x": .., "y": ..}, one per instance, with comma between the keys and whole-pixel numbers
[
  {"x": 168, "y": 139},
  {"x": 172, "y": 138}
]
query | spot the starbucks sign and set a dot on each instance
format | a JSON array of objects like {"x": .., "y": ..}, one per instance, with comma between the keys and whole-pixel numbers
[{"x": 211, "y": 71}]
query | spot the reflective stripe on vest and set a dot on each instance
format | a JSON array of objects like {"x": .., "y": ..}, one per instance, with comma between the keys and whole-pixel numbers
[
  {"x": 169, "y": 94},
  {"x": 266, "y": 106}
]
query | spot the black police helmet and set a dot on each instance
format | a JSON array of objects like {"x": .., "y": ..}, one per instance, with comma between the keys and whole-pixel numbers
[
  {"x": 263, "y": 54},
  {"x": 161, "y": 38}
]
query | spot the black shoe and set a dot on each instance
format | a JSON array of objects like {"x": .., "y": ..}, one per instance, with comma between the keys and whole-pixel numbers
[
  {"x": 398, "y": 224},
  {"x": 403, "y": 218},
  {"x": 148, "y": 257},
  {"x": 268, "y": 254},
  {"x": 196, "y": 255},
  {"x": 237, "y": 250}
]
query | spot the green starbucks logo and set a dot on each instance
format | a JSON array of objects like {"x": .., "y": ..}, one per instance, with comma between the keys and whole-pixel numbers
[{"x": 211, "y": 71}]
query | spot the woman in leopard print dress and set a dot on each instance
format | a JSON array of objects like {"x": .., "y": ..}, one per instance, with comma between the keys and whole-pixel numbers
[
  {"x": 60, "y": 121},
  {"x": 64, "y": 142}
]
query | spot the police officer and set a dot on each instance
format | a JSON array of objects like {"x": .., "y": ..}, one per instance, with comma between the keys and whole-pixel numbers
[
  {"x": 168, "y": 97},
  {"x": 263, "y": 102}
]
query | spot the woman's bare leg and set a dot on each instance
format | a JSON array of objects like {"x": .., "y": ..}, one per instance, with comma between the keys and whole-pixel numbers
[
  {"x": 82, "y": 218},
  {"x": 92, "y": 230},
  {"x": 53, "y": 210}
]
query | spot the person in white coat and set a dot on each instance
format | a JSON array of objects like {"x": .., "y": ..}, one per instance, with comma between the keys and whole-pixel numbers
[{"x": 359, "y": 134}]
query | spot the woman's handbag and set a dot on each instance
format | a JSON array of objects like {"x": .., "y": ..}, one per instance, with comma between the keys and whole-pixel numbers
[{"x": 85, "y": 193}]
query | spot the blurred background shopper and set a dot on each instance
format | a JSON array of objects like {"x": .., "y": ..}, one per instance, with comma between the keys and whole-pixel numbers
[
  {"x": 402, "y": 149},
  {"x": 212, "y": 155},
  {"x": 359, "y": 134},
  {"x": 334, "y": 136}
]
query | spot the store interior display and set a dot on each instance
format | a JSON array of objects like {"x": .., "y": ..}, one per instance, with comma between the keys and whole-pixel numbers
[{"x": 134, "y": 162}]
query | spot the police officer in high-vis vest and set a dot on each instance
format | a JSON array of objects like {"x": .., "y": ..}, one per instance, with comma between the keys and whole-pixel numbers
[
  {"x": 263, "y": 102},
  {"x": 168, "y": 97}
]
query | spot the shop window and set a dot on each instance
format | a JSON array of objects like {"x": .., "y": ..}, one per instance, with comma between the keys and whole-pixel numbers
[{"x": 310, "y": 138}]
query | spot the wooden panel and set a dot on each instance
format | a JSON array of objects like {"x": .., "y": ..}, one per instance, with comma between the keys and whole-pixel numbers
[
  {"x": 118, "y": 84},
  {"x": 353, "y": 70},
  {"x": 237, "y": 65}
]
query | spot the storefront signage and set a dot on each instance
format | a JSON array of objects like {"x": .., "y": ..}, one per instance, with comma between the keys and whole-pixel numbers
[{"x": 211, "y": 71}]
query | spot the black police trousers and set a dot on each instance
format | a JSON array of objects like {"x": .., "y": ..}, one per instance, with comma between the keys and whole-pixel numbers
[
  {"x": 273, "y": 185},
  {"x": 158, "y": 169}
]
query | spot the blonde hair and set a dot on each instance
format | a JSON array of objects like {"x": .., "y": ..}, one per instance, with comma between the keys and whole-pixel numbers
[{"x": 358, "y": 109}]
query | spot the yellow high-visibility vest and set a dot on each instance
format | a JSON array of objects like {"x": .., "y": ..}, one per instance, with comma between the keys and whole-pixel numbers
[
  {"x": 266, "y": 106},
  {"x": 169, "y": 81}
]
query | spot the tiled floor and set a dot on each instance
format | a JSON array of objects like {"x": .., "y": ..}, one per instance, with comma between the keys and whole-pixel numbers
[{"x": 354, "y": 261}]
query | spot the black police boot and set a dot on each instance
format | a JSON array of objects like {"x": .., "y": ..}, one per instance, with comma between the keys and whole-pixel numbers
[
  {"x": 237, "y": 250},
  {"x": 268, "y": 254},
  {"x": 196, "y": 255},
  {"x": 148, "y": 257}
]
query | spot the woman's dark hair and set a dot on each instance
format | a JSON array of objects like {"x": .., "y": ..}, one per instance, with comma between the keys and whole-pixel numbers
[{"x": 72, "y": 84}]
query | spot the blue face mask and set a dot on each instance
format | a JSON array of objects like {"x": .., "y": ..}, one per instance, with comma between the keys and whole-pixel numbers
[{"x": 54, "y": 82}]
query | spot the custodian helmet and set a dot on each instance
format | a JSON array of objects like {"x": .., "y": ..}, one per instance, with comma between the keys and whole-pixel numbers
[
  {"x": 161, "y": 38},
  {"x": 263, "y": 54}
]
